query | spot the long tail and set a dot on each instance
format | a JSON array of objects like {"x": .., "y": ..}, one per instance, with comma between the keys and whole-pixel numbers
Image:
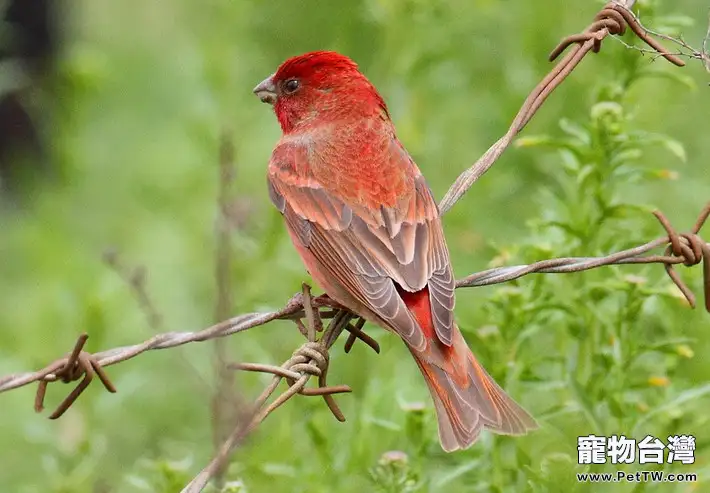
[{"x": 466, "y": 398}]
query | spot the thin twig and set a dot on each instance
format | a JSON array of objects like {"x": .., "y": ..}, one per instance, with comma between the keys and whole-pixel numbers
[
  {"x": 136, "y": 278},
  {"x": 225, "y": 405}
]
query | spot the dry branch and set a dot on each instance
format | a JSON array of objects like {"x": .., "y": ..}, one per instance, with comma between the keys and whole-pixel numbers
[{"x": 224, "y": 403}]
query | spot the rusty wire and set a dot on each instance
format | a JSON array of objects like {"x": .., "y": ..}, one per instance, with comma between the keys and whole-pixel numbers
[
  {"x": 686, "y": 248},
  {"x": 612, "y": 19},
  {"x": 313, "y": 357},
  {"x": 293, "y": 310},
  {"x": 74, "y": 366},
  {"x": 685, "y": 50}
]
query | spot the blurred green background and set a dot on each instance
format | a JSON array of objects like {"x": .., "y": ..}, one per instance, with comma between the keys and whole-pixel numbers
[{"x": 133, "y": 118}]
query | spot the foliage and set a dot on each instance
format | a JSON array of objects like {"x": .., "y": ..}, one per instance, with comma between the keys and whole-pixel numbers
[{"x": 143, "y": 92}]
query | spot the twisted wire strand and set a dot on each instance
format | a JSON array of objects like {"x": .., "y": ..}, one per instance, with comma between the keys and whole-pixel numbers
[
  {"x": 311, "y": 359},
  {"x": 687, "y": 248},
  {"x": 612, "y": 19}
]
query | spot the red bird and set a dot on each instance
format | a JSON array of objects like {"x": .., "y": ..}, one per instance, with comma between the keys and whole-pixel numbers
[{"x": 367, "y": 227}]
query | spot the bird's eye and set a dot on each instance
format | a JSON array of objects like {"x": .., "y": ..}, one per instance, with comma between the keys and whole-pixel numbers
[{"x": 291, "y": 86}]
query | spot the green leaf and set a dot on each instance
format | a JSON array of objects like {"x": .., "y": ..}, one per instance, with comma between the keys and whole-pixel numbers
[
  {"x": 668, "y": 345},
  {"x": 455, "y": 473},
  {"x": 675, "y": 148},
  {"x": 534, "y": 141},
  {"x": 677, "y": 402},
  {"x": 672, "y": 75},
  {"x": 575, "y": 130},
  {"x": 626, "y": 156},
  {"x": 550, "y": 142},
  {"x": 607, "y": 108},
  {"x": 585, "y": 404},
  {"x": 584, "y": 174},
  {"x": 235, "y": 486}
]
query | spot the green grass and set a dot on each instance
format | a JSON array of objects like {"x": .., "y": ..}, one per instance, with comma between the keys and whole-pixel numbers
[{"x": 143, "y": 93}]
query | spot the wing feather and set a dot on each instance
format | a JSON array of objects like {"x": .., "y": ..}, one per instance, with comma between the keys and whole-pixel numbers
[{"x": 371, "y": 253}]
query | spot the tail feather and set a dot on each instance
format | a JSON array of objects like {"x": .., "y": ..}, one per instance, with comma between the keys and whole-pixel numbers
[{"x": 465, "y": 408}]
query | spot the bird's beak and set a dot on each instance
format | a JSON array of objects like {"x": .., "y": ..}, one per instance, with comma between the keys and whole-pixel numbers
[{"x": 266, "y": 90}]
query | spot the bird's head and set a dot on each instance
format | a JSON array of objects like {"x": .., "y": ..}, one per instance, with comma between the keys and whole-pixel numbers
[{"x": 321, "y": 86}]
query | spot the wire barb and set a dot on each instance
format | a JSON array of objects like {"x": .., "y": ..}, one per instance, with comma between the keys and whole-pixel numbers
[
  {"x": 310, "y": 360},
  {"x": 687, "y": 248},
  {"x": 612, "y": 19},
  {"x": 691, "y": 250},
  {"x": 357, "y": 333},
  {"x": 70, "y": 369}
]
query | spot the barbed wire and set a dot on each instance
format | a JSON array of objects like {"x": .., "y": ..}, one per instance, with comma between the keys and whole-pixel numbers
[
  {"x": 309, "y": 360},
  {"x": 612, "y": 19},
  {"x": 685, "y": 248},
  {"x": 312, "y": 358},
  {"x": 685, "y": 50}
]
